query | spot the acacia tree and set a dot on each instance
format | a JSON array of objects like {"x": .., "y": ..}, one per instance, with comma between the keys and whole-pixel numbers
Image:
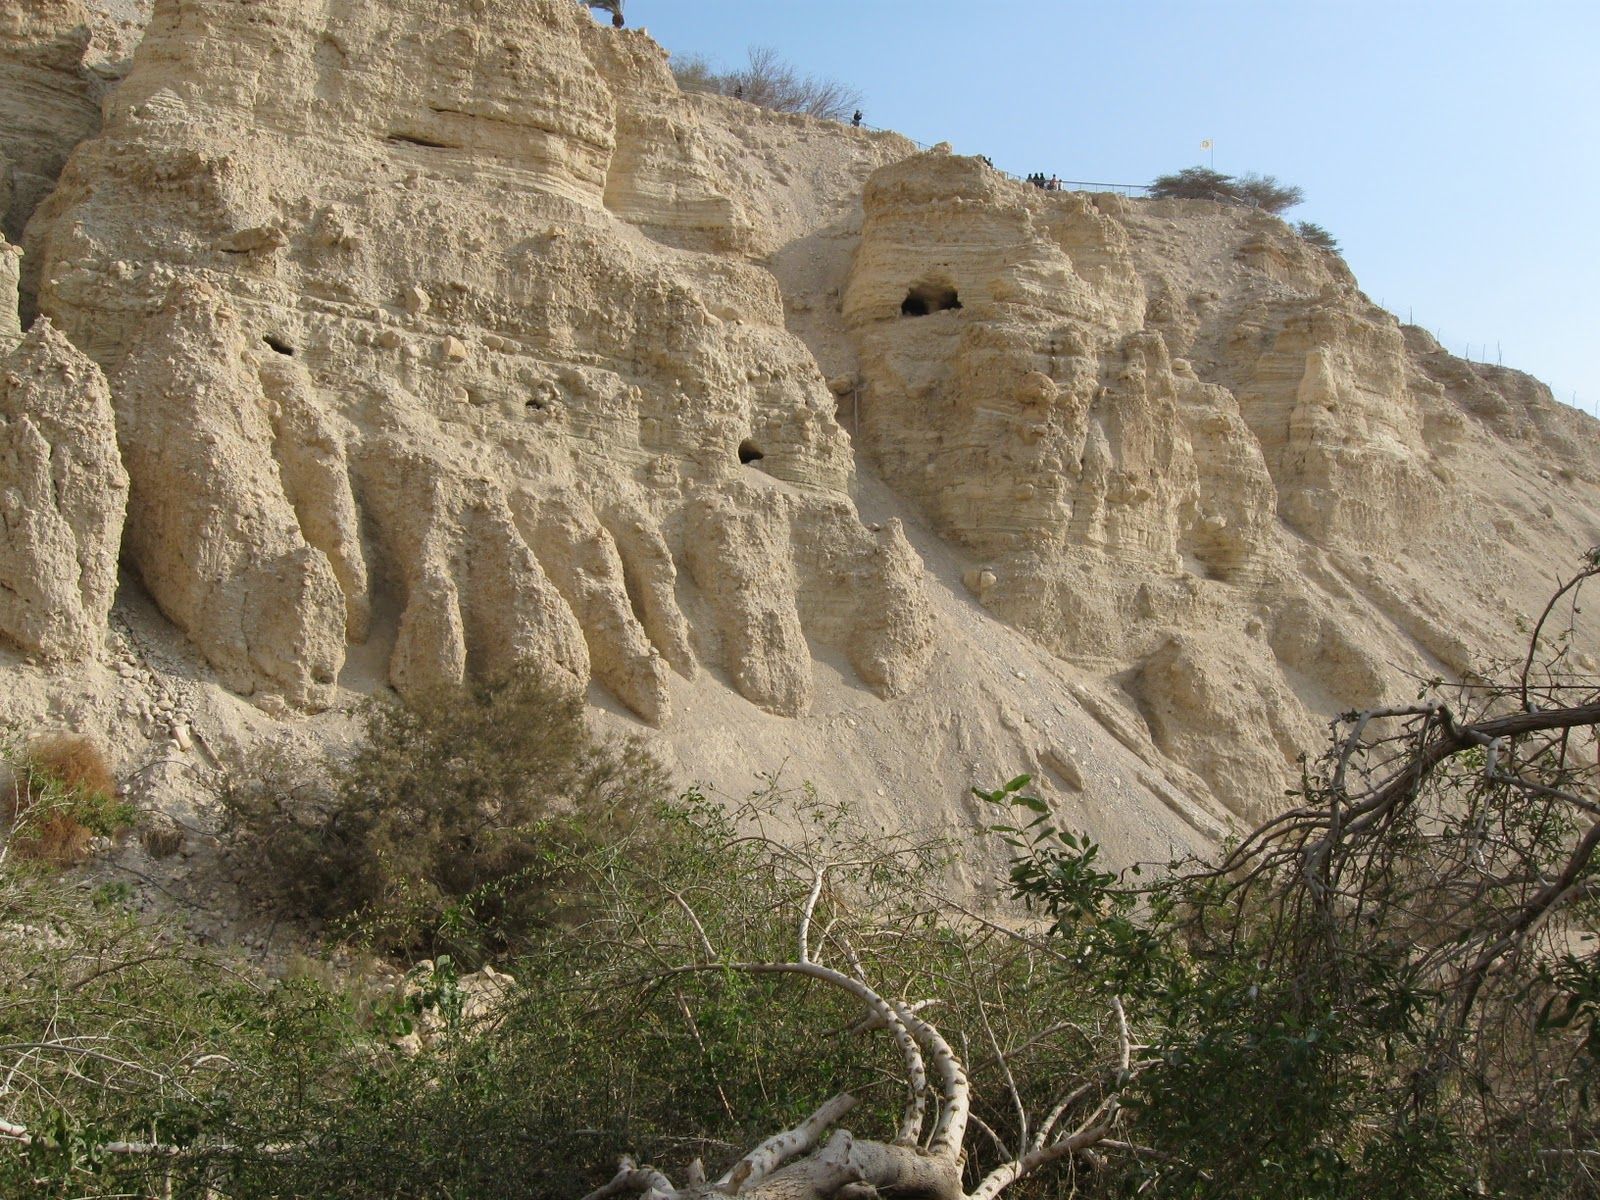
[
  {"x": 1203, "y": 183},
  {"x": 1317, "y": 236}
]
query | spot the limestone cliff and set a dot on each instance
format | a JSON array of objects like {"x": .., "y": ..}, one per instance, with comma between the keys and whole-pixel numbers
[
  {"x": 10, "y": 322},
  {"x": 47, "y": 105},
  {"x": 450, "y": 337},
  {"x": 1191, "y": 456},
  {"x": 436, "y": 341},
  {"x": 62, "y": 494}
]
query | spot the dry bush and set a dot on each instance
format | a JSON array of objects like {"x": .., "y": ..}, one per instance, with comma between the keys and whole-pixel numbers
[
  {"x": 74, "y": 760},
  {"x": 768, "y": 81},
  {"x": 62, "y": 795}
]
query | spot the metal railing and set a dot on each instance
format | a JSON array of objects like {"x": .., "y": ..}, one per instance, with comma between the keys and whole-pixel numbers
[
  {"x": 1083, "y": 185},
  {"x": 1134, "y": 190}
]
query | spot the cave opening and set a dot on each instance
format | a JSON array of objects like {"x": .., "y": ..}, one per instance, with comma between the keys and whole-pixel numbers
[
  {"x": 749, "y": 452},
  {"x": 925, "y": 298},
  {"x": 279, "y": 345}
]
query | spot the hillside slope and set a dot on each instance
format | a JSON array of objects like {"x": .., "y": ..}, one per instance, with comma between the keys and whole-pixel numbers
[{"x": 432, "y": 345}]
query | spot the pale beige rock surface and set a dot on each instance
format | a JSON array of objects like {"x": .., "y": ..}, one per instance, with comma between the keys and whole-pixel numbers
[
  {"x": 1186, "y": 453},
  {"x": 48, "y": 102},
  {"x": 62, "y": 495},
  {"x": 438, "y": 337},
  {"x": 10, "y": 322},
  {"x": 462, "y": 333}
]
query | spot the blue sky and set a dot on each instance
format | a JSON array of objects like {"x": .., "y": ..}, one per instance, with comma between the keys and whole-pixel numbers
[{"x": 1452, "y": 148}]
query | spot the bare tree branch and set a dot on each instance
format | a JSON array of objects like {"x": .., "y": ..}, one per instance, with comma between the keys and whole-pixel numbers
[
  {"x": 632, "y": 1178},
  {"x": 780, "y": 1147}
]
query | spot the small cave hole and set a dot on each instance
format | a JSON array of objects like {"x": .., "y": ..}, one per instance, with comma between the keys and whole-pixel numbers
[
  {"x": 749, "y": 452},
  {"x": 279, "y": 345},
  {"x": 925, "y": 298},
  {"x": 536, "y": 404}
]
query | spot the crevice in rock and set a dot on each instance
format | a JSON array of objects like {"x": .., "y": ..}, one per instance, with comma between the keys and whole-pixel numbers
[
  {"x": 278, "y": 344},
  {"x": 749, "y": 452},
  {"x": 412, "y": 139}
]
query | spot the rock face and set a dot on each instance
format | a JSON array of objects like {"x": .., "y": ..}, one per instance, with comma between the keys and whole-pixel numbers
[
  {"x": 1190, "y": 454},
  {"x": 62, "y": 494},
  {"x": 10, "y": 324},
  {"x": 47, "y": 102},
  {"x": 450, "y": 338},
  {"x": 436, "y": 341}
]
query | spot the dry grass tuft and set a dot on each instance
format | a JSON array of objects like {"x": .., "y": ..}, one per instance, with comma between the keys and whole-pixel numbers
[{"x": 61, "y": 796}]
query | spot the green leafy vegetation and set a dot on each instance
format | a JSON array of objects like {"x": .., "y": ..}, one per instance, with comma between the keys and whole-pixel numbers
[
  {"x": 165, "y": 1069},
  {"x": 449, "y": 828},
  {"x": 131, "y": 1056},
  {"x": 1390, "y": 990}
]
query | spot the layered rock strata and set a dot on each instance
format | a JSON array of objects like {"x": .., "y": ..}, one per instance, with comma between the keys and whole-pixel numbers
[
  {"x": 1188, "y": 453},
  {"x": 10, "y": 269},
  {"x": 48, "y": 102},
  {"x": 447, "y": 335},
  {"x": 440, "y": 341}
]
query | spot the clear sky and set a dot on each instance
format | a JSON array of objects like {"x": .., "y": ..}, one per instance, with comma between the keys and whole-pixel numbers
[{"x": 1452, "y": 147}]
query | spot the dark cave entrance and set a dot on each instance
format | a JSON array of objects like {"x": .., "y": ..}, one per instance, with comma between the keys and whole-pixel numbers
[{"x": 925, "y": 298}]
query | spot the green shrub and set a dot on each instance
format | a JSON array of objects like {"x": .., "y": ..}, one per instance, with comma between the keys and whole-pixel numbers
[
  {"x": 1317, "y": 236},
  {"x": 136, "y": 1064},
  {"x": 602, "y": 1050},
  {"x": 253, "y": 1089},
  {"x": 447, "y": 829}
]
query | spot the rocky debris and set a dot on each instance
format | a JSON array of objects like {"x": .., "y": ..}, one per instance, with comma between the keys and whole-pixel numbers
[
  {"x": 164, "y": 712},
  {"x": 63, "y": 493}
]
